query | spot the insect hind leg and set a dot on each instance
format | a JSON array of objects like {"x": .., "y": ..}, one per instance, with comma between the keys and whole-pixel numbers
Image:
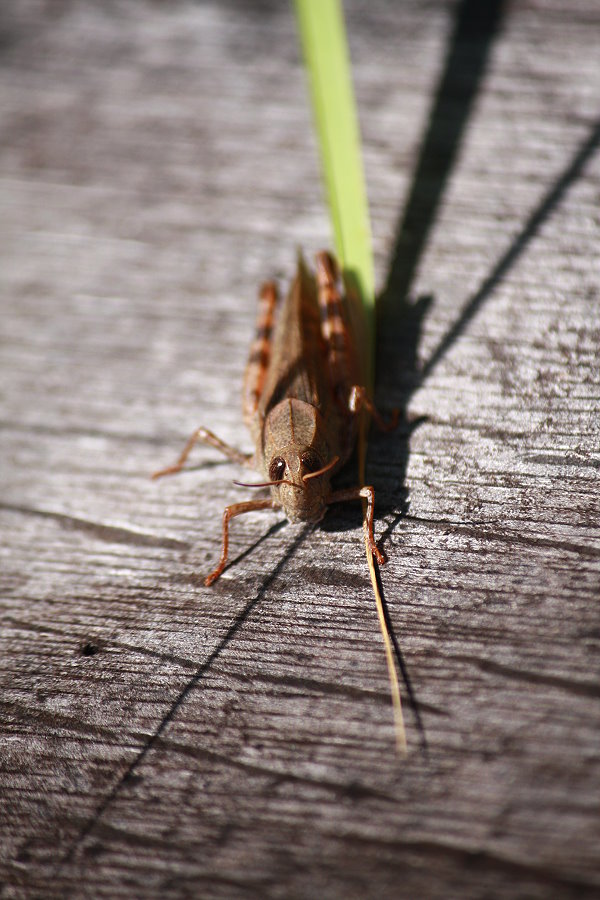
[
  {"x": 359, "y": 399},
  {"x": 260, "y": 351},
  {"x": 341, "y": 354}
]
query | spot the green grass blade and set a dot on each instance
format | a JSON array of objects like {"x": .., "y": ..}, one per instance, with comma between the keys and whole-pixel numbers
[{"x": 323, "y": 38}]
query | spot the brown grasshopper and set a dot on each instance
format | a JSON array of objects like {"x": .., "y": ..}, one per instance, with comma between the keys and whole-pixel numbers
[{"x": 303, "y": 390}]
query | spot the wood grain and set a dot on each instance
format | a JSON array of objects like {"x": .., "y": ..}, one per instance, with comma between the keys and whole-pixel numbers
[{"x": 161, "y": 739}]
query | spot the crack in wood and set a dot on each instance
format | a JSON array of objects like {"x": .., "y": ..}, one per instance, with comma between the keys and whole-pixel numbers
[
  {"x": 180, "y": 699},
  {"x": 579, "y": 688},
  {"x": 504, "y": 537},
  {"x": 113, "y": 534}
]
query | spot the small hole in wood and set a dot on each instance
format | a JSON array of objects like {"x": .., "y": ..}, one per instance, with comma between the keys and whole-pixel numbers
[{"x": 89, "y": 649}]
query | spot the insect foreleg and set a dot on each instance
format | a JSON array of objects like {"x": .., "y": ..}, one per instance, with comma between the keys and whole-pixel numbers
[
  {"x": 359, "y": 399},
  {"x": 204, "y": 436},
  {"x": 364, "y": 493},
  {"x": 228, "y": 513}
]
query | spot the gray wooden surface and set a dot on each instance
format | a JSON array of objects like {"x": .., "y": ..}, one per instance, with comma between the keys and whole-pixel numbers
[{"x": 161, "y": 739}]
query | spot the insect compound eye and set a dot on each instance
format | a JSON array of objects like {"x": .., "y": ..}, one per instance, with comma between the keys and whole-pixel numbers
[
  {"x": 277, "y": 469},
  {"x": 311, "y": 462}
]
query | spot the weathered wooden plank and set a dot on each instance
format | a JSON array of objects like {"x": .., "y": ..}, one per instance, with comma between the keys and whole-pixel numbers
[{"x": 162, "y": 739}]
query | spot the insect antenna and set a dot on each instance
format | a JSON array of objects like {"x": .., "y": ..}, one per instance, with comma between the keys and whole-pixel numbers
[
  {"x": 321, "y": 471},
  {"x": 268, "y": 483}
]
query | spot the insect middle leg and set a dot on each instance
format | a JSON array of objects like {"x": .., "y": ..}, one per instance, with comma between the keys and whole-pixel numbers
[
  {"x": 237, "y": 509},
  {"x": 204, "y": 436}
]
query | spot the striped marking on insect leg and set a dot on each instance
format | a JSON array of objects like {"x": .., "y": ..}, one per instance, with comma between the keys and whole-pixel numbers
[
  {"x": 333, "y": 323},
  {"x": 260, "y": 350},
  {"x": 237, "y": 509},
  {"x": 362, "y": 493},
  {"x": 359, "y": 399}
]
